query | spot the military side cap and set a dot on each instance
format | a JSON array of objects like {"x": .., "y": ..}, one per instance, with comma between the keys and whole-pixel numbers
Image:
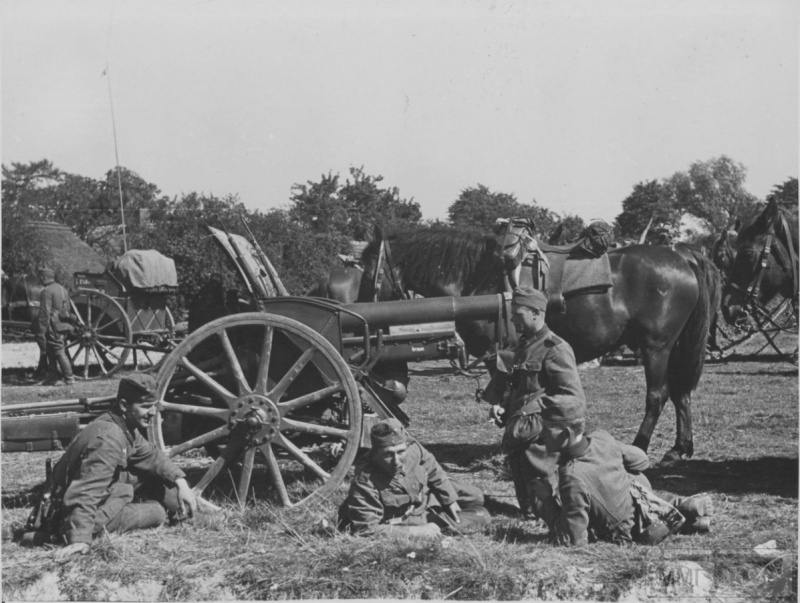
[
  {"x": 529, "y": 297},
  {"x": 137, "y": 388},
  {"x": 563, "y": 410},
  {"x": 389, "y": 432}
]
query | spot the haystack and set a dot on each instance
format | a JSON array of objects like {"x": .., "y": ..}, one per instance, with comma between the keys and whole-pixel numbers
[{"x": 68, "y": 253}]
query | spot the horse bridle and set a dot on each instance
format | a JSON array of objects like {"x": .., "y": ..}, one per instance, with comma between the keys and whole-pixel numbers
[{"x": 753, "y": 289}]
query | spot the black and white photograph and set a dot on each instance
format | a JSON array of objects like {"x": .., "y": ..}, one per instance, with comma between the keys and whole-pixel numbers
[{"x": 479, "y": 300}]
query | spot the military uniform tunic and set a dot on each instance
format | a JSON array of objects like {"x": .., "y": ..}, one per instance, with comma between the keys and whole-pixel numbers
[
  {"x": 97, "y": 475},
  {"x": 543, "y": 365},
  {"x": 405, "y": 498},
  {"x": 595, "y": 490},
  {"x": 54, "y": 305}
]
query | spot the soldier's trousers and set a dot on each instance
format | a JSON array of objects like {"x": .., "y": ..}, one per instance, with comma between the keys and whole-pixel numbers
[{"x": 136, "y": 504}]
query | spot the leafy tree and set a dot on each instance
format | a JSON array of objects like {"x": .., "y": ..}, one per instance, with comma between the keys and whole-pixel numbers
[
  {"x": 352, "y": 208},
  {"x": 712, "y": 190},
  {"x": 648, "y": 201},
  {"x": 785, "y": 194},
  {"x": 479, "y": 208}
]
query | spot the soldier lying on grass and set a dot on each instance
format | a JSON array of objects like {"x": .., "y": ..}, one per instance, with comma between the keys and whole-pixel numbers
[
  {"x": 401, "y": 489},
  {"x": 604, "y": 495},
  {"x": 110, "y": 478}
]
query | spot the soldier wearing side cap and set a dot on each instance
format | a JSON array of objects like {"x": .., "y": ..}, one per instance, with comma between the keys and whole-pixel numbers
[
  {"x": 603, "y": 494},
  {"x": 542, "y": 365},
  {"x": 402, "y": 489},
  {"x": 111, "y": 478}
]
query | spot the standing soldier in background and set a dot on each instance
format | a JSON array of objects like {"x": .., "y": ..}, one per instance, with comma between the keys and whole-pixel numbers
[
  {"x": 53, "y": 324},
  {"x": 543, "y": 369}
]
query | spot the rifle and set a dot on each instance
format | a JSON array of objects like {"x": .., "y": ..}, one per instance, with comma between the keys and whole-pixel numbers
[{"x": 42, "y": 524}]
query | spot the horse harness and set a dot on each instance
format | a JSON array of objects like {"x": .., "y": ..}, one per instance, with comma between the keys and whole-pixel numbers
[{"x": 753, "y": 289}]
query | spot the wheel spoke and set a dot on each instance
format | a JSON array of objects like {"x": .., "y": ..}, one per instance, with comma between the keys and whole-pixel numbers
[
  {"x": 241, "y": 381},
  {"x": 201, "y": 440},
  {"x": 244, "y": 478},
  {"x": 263, "y": 366},
  {"x": 209, "y": 475},
  {"x": 292, "y": 405},
  {"x": 99, "y": 360},
  {"x": 291, "y": 374},
  {"x": 109, "y": 352},
  {"x": 86, "y": 362},
  {"x": 76, "y": 312},
  {"x": 98, "y": 319},
  {"x": 111, "y": 323},
  {"x": 206, "y": 380},
  {"x": 302, "y": 456},
  {"x": 75, "y": 355},
  {"x": 275, "y": 472},
  {"x": 303, "y": 427},
  {"x": 190, "y": 409}
]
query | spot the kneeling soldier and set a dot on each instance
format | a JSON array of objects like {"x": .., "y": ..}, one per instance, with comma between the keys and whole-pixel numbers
[
  {"x": 109, "y": 465},
  {"x": 402, "y": 489}
]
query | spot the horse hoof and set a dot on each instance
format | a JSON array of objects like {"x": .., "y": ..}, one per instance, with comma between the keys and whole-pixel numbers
[{"x": 673, "y": 457}]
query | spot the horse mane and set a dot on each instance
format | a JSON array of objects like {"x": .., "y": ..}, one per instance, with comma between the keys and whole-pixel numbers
[{"x": 434, "y": 254}]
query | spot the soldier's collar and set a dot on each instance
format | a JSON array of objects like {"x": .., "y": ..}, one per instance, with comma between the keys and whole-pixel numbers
[{"x": 540, "y": 334}]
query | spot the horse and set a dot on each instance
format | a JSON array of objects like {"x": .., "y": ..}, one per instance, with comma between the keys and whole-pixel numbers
[
  {"x": 765, "y": 266},
  {"x": 659, "y": 303},
  {"x": 438, "y": 262}
]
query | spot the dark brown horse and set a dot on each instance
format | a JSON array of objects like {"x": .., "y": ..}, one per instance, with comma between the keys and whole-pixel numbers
[
  {"x": 659, "y": 304},
  {"x": 446, "y": 262},
  {"x": 765, "y": 266}
]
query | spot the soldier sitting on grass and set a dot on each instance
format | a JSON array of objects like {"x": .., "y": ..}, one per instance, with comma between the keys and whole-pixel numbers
[
  {"x": 110, "y": 478},
  {"x": 604, "y": 495},
  {"x": 401, "y": 489}
]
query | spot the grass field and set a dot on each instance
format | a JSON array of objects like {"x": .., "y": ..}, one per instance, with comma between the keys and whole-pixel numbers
[{"x": 746, "y": 451}]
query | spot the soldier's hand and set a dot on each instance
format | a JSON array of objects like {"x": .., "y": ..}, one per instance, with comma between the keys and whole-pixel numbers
[
  {"x": 498, "y": 415},
  {"x": 76, "y": 548},
  {"x": 455, "y": 511},
  {"x": 187, "y": 501}
]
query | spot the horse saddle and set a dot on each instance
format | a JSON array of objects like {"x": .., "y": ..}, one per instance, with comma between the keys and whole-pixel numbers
[{"x": 567, "y": 271}]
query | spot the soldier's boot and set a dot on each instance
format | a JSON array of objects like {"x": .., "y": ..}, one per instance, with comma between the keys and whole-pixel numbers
[{"x": 698, "y": 510}]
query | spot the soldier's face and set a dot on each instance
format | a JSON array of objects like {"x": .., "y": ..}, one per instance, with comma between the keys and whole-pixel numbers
[
  {"x": 390, "y": 458},
  {"x": 527, "y": 320},
  {"x": 139, "y": 414},
  {"x": 555, "y": 437}
]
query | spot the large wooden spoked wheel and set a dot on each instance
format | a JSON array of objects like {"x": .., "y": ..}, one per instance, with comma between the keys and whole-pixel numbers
[
  {"x": 261, "y": 407},
  {"x": 102, "y": 339}
]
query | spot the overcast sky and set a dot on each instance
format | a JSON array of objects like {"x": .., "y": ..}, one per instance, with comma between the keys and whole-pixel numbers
[{"x": 567, "y": 103}]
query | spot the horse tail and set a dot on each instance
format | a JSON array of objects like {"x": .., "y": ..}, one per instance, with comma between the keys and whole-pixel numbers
[{"x": 688, "y": 355}]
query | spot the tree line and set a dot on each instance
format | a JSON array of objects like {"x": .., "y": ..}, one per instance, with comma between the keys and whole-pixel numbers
[{"x": 322, "y": 217}]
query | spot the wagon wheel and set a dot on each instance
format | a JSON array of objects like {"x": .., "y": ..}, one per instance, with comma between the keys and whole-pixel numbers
[
  {"x": 272, "y": 400},
  {"x": 102, "y": 338}
]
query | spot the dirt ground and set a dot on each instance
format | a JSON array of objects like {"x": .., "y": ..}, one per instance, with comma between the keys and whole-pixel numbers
[{"x": 746, "y": 455}]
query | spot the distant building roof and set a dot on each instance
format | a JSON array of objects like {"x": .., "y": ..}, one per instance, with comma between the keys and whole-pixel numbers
[{"x": 68, "y": 252}]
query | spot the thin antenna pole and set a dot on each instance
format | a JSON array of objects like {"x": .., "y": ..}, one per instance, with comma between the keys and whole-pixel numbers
[{"x": 116, "y": 156}]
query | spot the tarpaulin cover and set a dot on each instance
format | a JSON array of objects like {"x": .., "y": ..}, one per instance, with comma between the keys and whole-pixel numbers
[{"x": 145, "y": 269}]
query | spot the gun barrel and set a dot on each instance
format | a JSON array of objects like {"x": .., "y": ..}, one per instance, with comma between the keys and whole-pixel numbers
[{"x": 424, "y": 310}]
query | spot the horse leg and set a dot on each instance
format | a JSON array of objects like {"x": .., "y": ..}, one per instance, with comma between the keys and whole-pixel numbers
[
  {"x": 684, "y": 442},
  {"x": 655, "y": 372}
]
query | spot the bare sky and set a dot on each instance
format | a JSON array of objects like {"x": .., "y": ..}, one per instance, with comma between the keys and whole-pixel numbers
[{"x": 567, "y": 103}]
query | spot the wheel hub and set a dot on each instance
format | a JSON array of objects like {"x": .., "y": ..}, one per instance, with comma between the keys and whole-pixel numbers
[{"x": 259, "y": 415}]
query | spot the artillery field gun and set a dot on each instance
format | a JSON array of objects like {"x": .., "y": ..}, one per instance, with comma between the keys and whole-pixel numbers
[{"x": 274, "y": 404}]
